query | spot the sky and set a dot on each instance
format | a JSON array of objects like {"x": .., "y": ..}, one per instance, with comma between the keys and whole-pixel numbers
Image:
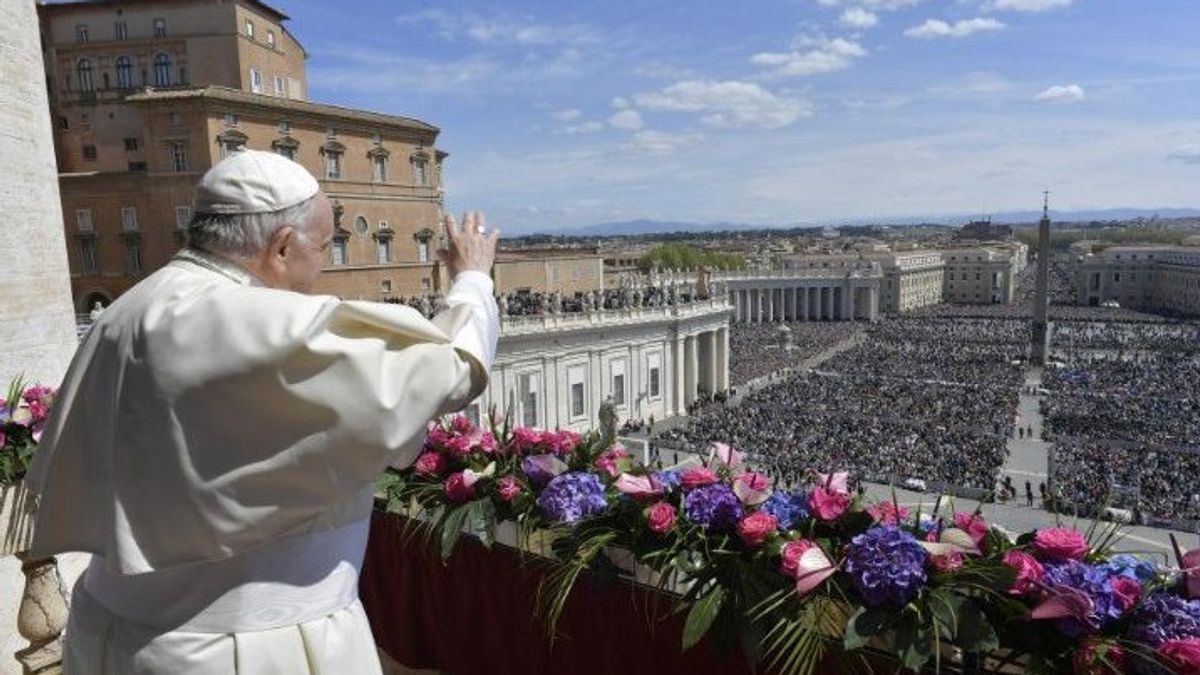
[{"x": 560, "y": 113}]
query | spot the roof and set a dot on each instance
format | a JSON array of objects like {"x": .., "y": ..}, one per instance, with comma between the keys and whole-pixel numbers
[
  {"x": 229, "y": 95},
  {"x": 77, "y": 4}
]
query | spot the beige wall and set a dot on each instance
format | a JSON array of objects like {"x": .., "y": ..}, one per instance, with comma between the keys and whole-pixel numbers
[{"x": 567, "y": 275}]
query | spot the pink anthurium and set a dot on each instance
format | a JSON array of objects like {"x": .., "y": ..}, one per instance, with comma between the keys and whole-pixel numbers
[
  {"x": 837, "y": 482},
  {"x": 638, "y": 487},
  {"x": 1062, "y": 602},
  {"x": 726, "y": 454},
  {"x": 952, "y": 540},
  {"x": 813, "y": 568}
]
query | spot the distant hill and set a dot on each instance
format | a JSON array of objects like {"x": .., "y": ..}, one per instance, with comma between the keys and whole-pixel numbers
[{"x": 645, "y": 226}]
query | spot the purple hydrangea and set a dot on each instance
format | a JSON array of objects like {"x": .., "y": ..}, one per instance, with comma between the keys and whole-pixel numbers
[
  {"x": 668, "y": 479},
  {"x": 788, "y": 508},
  {"x": 1092, "y": 582},
  {"x": 572, "y": 496},
  {"x": 713, "y": 507},
  {"x": 887, "y": 565},
  {"x": 541, "y": 469},
  {"x": 1163, "y": 617},
  {"x": 1130, "y": 566}
]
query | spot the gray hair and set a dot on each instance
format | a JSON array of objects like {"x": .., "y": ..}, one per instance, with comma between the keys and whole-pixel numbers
[{"x": 246, "y": 234}]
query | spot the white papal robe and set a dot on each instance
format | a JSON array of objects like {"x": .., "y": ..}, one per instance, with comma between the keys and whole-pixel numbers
[{"x": 214, "y": 445}]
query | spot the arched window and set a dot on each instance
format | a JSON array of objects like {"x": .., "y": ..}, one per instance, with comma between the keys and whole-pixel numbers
[
  {"x": 162, "y": 70},
  {"x": 124, "y": 72},
  {"x": 85, "y": 76}
]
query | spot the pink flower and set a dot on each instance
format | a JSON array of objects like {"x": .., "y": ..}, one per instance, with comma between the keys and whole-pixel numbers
[
  {"x": 430, "y": 464},
  {"x": 525, "y": 439},
  {"x": 1099, "y": 657},
  {"x": 562, "y": 442},
  {"x": 838, "y": 481},
  {"x": 1183, "y": 655},
  {"x": 752, "y": 488},
  {"x": 638, "y": 487},
  {"x": 1061, "y": 543},
  {"x": 660, "y": 517},
  {"x": 1029, "y": 571},
  {"x": 459, "y": 446},
  {"x": 609, "y": 460},
  {"x": 459, "y": 488},
  {"x": 886, "y": 513},
  {"x": 754, "y": 528},
  {"x": 754, "y": 480},
  {"x": 508, "y": 488},
  {"x": 946, "y": 562},
  {"x": 694, "y": 478},
  {"x": 726, "y": 454},
  {"x": 483, "y": 440},
  {"x": 1127, "y": 592},
  {"x": 461, "y": 424},
  {"x": 974, "y": 525},
  {"x": 437, "y": 436},
  {"x": 828, "y": 506},
  {"x": 789, "y": 556},
  {"x": 1191, "y": 574}
]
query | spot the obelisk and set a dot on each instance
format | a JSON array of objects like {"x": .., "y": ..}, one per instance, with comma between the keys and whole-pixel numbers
[{"x": 1039, "y": 341}]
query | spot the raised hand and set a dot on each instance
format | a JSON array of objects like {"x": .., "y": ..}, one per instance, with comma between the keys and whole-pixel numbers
[{"x": 471, "y": 246}]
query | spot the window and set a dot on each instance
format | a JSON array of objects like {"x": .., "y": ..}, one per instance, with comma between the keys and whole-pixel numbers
[
  {"x": 89, "y": 153},
  {"x": 178, "y": 156},
  {"x": 162, "y": 70},
  {"x": 379, "y": 168},
  {"x": 284, "y": 126},
  {"x": 618, "y": 389},
  {"x": 183, "y": 216},
  {"x": 654, "y": 384},
  {"x": 280, "y": 86},
  {"x": 529, "y": 399},
  {"x": 333, "y": 164},
  {"x": 160, "y": 28},
  {"x": 339, "y": 252},
  {"x": 230, "y": 120},
  {"x": 256, "y": 81},
  {"x": 124, "y": 73},
  {"x": 577, "y": 400},
  {"x": 81, "y": 33},
  {"x": 133, "y": 255},
  {"x": 472, "y": 413},
  {"x": 84, "y": 70},
  {"x": 121, "y": 30},
  {"x": 423, "y": 251},
  {"x": 287, "y": 150},
  {"x": 87, "y": 255},
  {"x": 271, "y": 38},
  {"x": 385, "y": 286},
  {"x": 384, "y": 250},
  {"x": 131, "y": 144},
  {"x": 129, "y": 220},
  {"x": 249, "y": 29},
  {"x": 1116, "y": 277},
  {"x": 420, "y": 175},
  {"x": 83, "y": 220},
  {"x": 230, "y": 146}
]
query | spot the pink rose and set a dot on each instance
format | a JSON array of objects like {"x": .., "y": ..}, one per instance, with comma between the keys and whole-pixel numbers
[
  {"x": 437, "y": 436},
  {"x": 1061, "y": 543},
  {"x": 660, "y": 517},
  {"x": 1029, "y": 571},
  {"x": 1183, "y": 655},
  {"x": 946, "y": 562},
  {"x": 789, "y": 556},
  {"x": 484, "y": 440},
  {"x": 430, "y": 464},
  {"x": 694, "y": 478},
  {"x": 458, "y": 488},
  {"x": 886, "y": 513},
  {"x": 458, "y": 446},
  {"x": 508, "y": 488},
  {"x": 525, "y": 439},
  {"x": 754, "y": 528},
  {"x": 608, "y": 461},
  {"x": 1127, "y": 592},
  {"x": 561, "y": 442},
  {"x": 974, "y": 525},
  {"x": 1099, "y": 657},
  {"x": 828, "y": 506},
  {"x": 461, "y": 424}
]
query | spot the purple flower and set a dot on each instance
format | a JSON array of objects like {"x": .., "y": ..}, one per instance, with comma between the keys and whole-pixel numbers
[
  {"x": 887, "y": 565},
  {"x": 788, "y": 508},
  {"x": 1163, "y": 617},
  {"x": 1131, "y": 567},
  {"x": 542, "y": 468},
  {"x": 667, "y": 479},
  {"x": 1092, "y": 582},
  {"x": 572, "y": 496},
  {"x": 713, "y": 507}
]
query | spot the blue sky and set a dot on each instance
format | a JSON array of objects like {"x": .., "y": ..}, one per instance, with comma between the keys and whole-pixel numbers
[{"x": 558, "y": 114}]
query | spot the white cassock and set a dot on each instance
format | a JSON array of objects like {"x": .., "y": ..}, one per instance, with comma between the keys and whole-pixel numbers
[{"x": 215, "y": 445}]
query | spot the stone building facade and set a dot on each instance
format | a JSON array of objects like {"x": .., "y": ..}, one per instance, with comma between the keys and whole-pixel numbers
[
  {"x": 982, "y": 275},
  {"x": 837, "y": 289},
  {"x": 1157, "y": 278},
  {"x": 564, "y": 271},
  {"x": 147, "y": 95},
  {"x": 911, "y": 280}
]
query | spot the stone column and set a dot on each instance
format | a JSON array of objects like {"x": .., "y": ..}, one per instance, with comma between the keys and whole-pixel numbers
[
  {"x": 847, "y": 308},
  {"x": 758, "y": 305},
  {"x": 873, "y": 299},
  {"x": 804, "y": 303},
  {"x": 37, "y": 317},
  {"x": 723, "y": 359},
  {"x": 691, "y": 369},
  {"x": 711, "y": 365},
  {"x": 680, "y": 376}
]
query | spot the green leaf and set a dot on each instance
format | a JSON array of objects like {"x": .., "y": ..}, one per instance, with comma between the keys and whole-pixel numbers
[
  {"x": 451, "y": 527},
  {"x": 975, "y": 633},
  {"x": 704, "y": 611},
  {"x": 863, "y": 625},
  {"x": 946, "y": 608},
  {"x": 913, "y": 642}
]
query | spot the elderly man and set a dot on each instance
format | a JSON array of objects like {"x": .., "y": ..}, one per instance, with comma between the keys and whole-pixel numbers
[{"x": 216, "y": 439}]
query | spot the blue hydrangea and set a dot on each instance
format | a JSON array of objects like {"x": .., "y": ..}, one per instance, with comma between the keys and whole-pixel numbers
[
  {"x": 1092, "y": 582},
  {"x": 788, "y": 508},
  {"x": 1130, "y": 566},
  {"x": 1163, "y": 617},
  {"x": 668, "y": 479},
  {"x": 887, "y": 565},
  {"x": 713, "y": 507},
  {"x": 572, "y": 496}
]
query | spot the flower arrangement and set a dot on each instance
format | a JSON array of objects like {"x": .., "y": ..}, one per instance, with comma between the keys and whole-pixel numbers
[
  {"x": 791, "y": 574},
  {"x": 23, "y": 414}
]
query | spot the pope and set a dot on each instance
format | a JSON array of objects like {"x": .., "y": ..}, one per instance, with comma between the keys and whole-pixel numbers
[{"x": 216, "y": 439}]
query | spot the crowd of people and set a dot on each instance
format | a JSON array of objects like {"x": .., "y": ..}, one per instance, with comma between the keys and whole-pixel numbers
[
  {"x": 541, "y": 303},
  {"x": 757, "y": 349},
  {"x": 932, "y": 400},
  {"x": 1150, "y": 481}
]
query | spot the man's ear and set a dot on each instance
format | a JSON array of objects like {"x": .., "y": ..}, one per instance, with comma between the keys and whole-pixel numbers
[{"x": 281, "y": 241}]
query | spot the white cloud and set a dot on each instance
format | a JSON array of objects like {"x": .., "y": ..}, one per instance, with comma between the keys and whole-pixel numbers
[
  {"x": 650, "y": 142},
  {"x": 829, "y": 56},
  {"x": 1030, "y": 5},
  {"x": 1070, "y": 93},
  {"x": 500, "y": 30},
  {"x": 566, "y": 115},
  {"x": 728, "y": 104},
  {"x": 619, "y": 103},
  {"x": 936, "y": 28},
  {"x": 1188, "y": 154},
  {"x": 589, "y": 127},
  {"x": 626, "y": 119},
  {"x": 857, "y": 17}
]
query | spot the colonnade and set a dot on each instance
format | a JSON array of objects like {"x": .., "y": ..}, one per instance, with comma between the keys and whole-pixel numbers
[
  {"x": 702, "y": 365},
  {"x": 848, "y": 299}
]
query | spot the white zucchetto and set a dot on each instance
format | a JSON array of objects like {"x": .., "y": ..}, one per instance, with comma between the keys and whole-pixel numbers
[{"x": 253, "y": 181}]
